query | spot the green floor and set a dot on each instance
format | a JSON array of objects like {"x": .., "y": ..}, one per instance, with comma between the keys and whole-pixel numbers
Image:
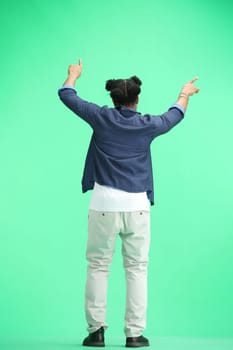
[{"x": 157, "y": 343}]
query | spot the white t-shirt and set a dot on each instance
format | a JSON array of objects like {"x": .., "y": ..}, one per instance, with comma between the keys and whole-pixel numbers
[{"x": 106, "y": 198}]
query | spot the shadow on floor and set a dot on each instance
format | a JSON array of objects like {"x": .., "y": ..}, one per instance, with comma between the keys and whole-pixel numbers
[
  {"x": 157, "y": 343},
  {"x": 54, "y": 345}
]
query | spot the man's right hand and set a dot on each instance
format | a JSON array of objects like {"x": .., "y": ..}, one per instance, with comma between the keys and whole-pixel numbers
[{"x": 190, "y": 89}]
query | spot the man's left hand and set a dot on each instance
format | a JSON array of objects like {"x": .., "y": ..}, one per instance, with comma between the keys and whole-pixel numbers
[{"x": 75, "y": 70}]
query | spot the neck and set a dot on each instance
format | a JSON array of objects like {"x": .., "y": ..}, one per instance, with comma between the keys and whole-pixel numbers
[{"x": 132, "y": 106}]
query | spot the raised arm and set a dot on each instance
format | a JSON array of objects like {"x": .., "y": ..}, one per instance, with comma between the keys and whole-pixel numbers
[
  {"x": 175, "y": 114},
  {"x": 85, "y": 110}
]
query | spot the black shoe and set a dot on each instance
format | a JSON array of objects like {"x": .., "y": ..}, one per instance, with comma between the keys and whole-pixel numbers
[
  {"x": 136, "y": 342},
  {"x": 95, "y": 339}
]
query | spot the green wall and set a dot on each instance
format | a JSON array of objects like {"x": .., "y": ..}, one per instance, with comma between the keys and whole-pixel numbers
[{"x": 43, "y": 214}]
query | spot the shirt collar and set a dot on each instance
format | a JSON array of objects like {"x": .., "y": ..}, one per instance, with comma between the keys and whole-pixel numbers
[{"x": 124, "y": 108}]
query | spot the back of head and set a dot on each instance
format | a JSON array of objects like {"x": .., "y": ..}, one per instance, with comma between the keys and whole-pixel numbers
[{"x": 124, "y": 91}]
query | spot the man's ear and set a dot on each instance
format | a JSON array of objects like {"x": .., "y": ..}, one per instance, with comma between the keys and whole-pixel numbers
[{"x": 137, "y": 100}]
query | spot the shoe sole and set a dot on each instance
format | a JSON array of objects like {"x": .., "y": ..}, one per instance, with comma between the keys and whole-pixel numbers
[
  {"x": 99, "y": 345},
  {"x": 136, "y": 345}
]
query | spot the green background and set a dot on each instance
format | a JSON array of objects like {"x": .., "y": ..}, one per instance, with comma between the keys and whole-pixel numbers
[{"x": 43, "y": 214}]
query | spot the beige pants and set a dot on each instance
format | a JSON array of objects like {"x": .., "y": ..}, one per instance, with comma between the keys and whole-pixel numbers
[{"x": 103, "y": 230}]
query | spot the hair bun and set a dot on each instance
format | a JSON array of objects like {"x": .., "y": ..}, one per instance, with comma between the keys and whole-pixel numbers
[
  {"x": 110, "y": 84},
  {"x": 136, "y": 80}
]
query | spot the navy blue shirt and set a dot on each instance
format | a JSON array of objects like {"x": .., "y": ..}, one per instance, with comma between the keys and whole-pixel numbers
[{"x": 119, "y": 153}]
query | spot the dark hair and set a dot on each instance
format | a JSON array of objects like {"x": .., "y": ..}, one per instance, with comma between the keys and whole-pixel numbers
[{"x": 124, "y": 91}]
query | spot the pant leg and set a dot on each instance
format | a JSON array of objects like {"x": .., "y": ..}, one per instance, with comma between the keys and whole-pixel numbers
[
  {"x": 135, "y": 250},
  {"x": 103, "y": 229}
]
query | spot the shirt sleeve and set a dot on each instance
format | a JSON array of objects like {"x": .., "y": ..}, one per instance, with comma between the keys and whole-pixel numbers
[
  {"x": 176, "y": 105},
  {"x": 67, "y": 87},
  {"x": 86, "y": 110},
  {"x": 161, "y": 124}
]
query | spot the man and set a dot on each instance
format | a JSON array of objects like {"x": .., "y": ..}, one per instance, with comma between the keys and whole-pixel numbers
[{"x": 119, "y": 170}]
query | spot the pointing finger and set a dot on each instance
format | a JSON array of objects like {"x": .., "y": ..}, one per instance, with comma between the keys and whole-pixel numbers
[{"x": 193, "y": 80}]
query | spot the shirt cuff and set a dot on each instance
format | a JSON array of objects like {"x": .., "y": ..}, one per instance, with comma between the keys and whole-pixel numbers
[
  {"x": 67, "y": 87},
  {"x": 176, "y": 105}
]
